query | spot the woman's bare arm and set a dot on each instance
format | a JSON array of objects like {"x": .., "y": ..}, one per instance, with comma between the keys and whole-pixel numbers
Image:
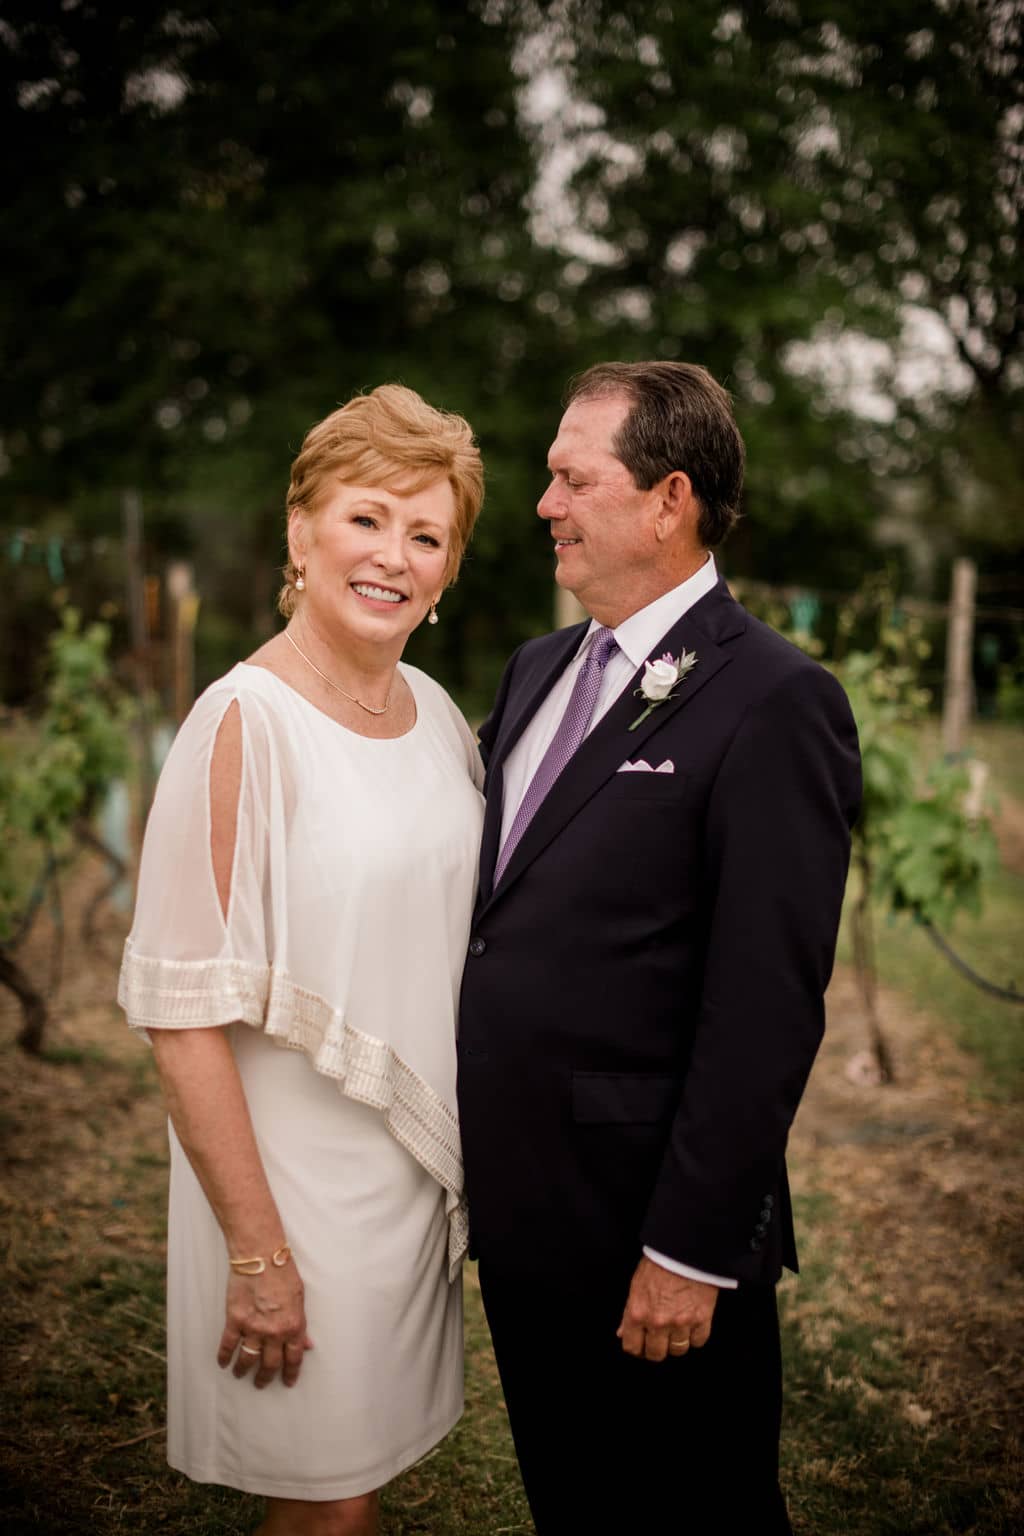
[{"x": 207, "y": 1106}]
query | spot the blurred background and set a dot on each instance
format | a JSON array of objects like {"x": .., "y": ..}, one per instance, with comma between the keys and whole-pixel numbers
[
  {"x": 224, "y": 219},
  {"x": 221, "y": 221}
]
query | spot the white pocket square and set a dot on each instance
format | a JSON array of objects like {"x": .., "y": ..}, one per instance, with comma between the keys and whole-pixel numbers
[{"x": 668, "y": 766}]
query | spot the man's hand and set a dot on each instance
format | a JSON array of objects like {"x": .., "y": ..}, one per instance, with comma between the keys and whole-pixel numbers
[{"x": 665, "y": 1313}]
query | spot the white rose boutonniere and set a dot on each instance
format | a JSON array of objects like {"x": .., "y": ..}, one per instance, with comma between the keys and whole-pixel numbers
[{"x": 660, "y": 680}]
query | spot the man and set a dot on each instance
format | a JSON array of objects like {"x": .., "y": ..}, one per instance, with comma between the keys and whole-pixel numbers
[{"x": 662, "y": 873}]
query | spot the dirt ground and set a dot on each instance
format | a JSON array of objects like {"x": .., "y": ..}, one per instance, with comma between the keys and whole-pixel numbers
[
  {"x": 915, "y": 1189},
  {"x": 926, "y": 1184}
]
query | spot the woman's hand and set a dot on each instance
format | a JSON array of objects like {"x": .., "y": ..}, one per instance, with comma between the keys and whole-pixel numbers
[
  {"x": 265, "y": 1327},
  {"x": 265, "y": 1313}
]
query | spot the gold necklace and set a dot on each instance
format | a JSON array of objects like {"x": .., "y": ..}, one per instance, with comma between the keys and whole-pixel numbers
[{"x": 336, "y": 686}]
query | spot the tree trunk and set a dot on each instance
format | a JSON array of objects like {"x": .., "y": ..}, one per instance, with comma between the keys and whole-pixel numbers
[
  {"x": 33, "y": 1004},
  {"x": 864, "y": 964}
]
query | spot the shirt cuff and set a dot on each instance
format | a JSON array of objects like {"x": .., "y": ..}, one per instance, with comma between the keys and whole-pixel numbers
[{"x": 688, "y": 1271}]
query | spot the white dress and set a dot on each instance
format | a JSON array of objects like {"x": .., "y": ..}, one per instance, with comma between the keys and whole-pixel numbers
[{"x": 351, "y": 897}]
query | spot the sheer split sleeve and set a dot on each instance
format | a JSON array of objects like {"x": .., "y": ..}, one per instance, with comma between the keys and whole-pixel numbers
[
  {"x": 187, "y": 964},
  {"x": 351, "y": 896}
]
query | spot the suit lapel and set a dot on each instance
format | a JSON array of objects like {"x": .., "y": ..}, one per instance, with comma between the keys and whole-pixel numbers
[
  {"x": 706, "y": 629},
  {"x": 549, "y": 667}
]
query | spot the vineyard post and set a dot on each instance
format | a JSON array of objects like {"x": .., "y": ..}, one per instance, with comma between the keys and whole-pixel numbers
[
  {"x": 956, "y": 705},
  {"x": 131, "y": 524},
  {"x": 568, "y": 609},
  {"x": 184, "y": 612}
]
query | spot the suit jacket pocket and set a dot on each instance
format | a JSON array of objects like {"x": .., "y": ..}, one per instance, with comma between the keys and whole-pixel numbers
[
  {"x": 623, "y": 1098},
  {"x": 638, "y": 785}
]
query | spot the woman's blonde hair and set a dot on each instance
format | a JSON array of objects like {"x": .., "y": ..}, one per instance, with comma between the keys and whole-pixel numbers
[{"x": 390, "y": 438}]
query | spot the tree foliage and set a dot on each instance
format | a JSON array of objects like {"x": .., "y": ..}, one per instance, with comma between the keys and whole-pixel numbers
[
  {"x": 917, "y": 850},
  {"x": 48, "y": 793},
  {"x": 79, "y": 745},
  {"x": 230, "y": 217},
  {"x": 225, "y": 218},
  {"x": 935, "y": 859},
  {"x": 766, "y": 180},
  {"x": 922, "y": 852}
]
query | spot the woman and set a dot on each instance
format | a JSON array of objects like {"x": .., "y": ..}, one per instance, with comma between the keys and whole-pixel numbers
[{"x": 307, "y": 881}]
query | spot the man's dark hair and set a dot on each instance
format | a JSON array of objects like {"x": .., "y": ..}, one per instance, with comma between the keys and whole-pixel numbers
[{"x": 680, "y": 418}]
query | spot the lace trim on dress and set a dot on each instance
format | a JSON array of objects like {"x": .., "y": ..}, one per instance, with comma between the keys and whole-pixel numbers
[{"x": 205, "y": 993}]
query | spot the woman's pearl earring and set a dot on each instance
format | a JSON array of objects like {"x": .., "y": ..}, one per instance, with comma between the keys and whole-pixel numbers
[
  {"x": 432, "y": 615},
  {"x": 300, "y": 581}
]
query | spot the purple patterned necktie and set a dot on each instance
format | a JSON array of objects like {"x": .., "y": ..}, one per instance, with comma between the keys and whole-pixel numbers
[{"x": 571, "y": 730}]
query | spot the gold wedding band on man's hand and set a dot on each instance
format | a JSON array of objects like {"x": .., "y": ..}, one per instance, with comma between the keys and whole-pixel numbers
[
  {"x": 247, "y": 1349},
  {"x": 678, "y": 1346}
]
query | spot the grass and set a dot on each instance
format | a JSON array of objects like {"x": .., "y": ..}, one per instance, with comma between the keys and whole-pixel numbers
[
  {"x": 83, "y": 1449},
  {"x": 1001, "y": 746},
  {"x": 92, "y": 1461},
  {"x": 858, "y": 1453},
  {"x": 990, "y": 1028},
  {"x": 871, "y": 1444},
  {"x": 83, "y": 1390}
]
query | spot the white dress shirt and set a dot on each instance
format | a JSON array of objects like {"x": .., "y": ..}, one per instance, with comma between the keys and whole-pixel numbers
[{"x": 636, "y": 636}]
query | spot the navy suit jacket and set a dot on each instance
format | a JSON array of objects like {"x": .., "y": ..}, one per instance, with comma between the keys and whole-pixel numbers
[{"x": 643, "y": 994}]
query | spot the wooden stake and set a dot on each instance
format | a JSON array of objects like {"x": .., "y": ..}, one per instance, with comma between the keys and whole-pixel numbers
[
  {"x": 131, "y": 525},
  {"x": 568, "y": 609},
  {"x": 864, "y": 963},
  {"x": 956, "y": 706},
  {"x": 184, "y": 612}
]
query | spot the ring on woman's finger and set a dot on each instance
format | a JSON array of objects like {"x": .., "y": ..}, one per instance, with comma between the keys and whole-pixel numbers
[
  {"x": 247, "y": 1349},
  {"x": 678, "y": 1346}
]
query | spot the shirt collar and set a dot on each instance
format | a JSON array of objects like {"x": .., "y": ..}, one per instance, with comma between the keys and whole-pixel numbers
[{"x": 639, "y": 634}]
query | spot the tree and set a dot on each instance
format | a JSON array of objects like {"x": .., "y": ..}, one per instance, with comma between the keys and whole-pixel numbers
[
  {"x": 228, "y": 218},
  {"x": 760, "y": 182}
]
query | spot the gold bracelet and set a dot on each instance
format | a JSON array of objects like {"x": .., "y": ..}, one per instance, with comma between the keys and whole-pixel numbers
[{"x": 258, "y": 1266}]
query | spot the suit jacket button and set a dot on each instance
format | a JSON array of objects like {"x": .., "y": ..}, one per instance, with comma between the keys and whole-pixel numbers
[
  {"x": 477, "y": 946},
  {"x": 769, "y": 1201},
  {"x": 755, "y": 1245},
  {"x": 761, "y": 1228}
]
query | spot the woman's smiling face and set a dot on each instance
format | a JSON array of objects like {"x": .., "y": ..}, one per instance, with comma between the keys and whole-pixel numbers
[{"x": 373, "y": 560}]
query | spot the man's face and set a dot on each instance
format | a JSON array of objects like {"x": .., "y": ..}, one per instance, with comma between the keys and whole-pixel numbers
[{"x": 602, "y": 524}]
